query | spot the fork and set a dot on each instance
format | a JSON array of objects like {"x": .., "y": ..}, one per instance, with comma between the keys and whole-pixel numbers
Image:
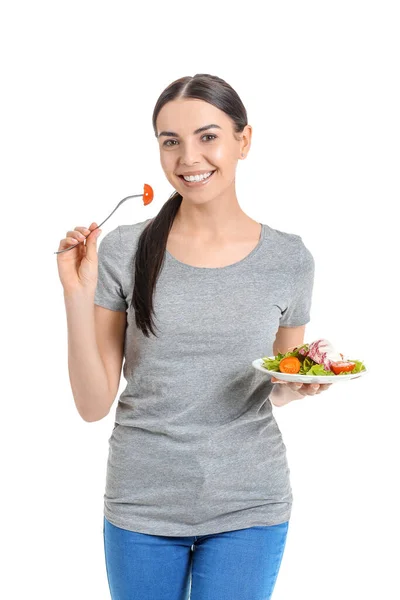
[{"x": 147, "y": 198}]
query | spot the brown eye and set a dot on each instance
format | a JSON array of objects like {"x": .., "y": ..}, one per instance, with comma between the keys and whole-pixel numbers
[{"x": 207, "y": 135}]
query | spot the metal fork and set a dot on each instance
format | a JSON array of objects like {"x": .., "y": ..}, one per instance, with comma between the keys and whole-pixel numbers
[{"x": 81, "y": 242}]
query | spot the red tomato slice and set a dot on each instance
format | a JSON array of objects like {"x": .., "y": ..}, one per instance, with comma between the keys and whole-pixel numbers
[
  {"x": 340, "y": 366},
  {"x": 148, "y": 194}
]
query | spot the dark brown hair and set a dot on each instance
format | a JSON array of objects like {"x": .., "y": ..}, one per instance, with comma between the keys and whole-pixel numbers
[{"x": 153, "y": 239}]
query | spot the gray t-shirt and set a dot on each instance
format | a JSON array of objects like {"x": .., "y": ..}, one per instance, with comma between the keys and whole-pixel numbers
[{"x": 195, "y": 448}]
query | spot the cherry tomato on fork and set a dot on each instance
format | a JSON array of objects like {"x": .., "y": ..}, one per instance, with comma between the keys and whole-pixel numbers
[{"x": 148, "y": 194}]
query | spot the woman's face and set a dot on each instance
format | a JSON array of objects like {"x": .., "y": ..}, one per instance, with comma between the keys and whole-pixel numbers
[{"x": 185, "y": 151}]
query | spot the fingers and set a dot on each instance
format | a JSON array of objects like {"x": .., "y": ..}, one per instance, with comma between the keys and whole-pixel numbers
[
  {"x": 79, "y": 234},
  {"x": 311, "y": 389},
  {"x": 306, "y": 389},
  {"x": 94, "y": 233},
  {"x": 296, "y": 386},
  {"x": 324, "y": 386},
  {"x": 275, "y": 380},
  {"x": 91, "y": 243}
]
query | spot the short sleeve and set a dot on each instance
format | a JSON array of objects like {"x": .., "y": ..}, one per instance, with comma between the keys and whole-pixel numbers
[
  {"x": 299, "y": 305},
  {"x": 109, "y": 291}
]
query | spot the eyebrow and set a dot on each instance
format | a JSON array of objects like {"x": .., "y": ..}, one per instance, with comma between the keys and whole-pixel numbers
[{"x": 172, "y": 133}]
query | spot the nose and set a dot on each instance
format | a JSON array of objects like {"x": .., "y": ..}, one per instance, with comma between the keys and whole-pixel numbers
[{"x": 189, "y": 154}]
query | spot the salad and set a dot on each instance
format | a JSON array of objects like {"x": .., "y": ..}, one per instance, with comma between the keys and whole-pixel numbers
[{"x": 317, "y": 358}]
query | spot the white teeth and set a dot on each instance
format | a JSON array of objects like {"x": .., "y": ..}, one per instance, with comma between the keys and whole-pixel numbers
[{"x": 197, "y": 177}]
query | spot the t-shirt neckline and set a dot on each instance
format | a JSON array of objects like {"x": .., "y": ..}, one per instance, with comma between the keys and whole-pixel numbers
[{"x": 219, "y": 269}]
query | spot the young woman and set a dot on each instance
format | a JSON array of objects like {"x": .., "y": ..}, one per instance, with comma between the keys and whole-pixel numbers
[{"x": 198, "y": 494}]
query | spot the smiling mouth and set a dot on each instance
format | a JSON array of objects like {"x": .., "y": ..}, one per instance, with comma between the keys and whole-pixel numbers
[{"x": 195, "y": 181}]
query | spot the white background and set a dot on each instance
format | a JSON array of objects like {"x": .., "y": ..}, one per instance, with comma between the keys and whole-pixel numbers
[{"x": 320, "y": 82}]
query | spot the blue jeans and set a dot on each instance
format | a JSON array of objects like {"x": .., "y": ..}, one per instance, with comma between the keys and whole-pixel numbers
[{"x": 232, "y": 565}]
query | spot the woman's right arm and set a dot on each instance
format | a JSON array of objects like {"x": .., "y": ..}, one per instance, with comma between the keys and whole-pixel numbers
[{"x": 87, "y": 372}]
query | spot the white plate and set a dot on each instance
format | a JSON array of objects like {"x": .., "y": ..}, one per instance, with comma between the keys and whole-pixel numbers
[{"x": 257, "y": 364}]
